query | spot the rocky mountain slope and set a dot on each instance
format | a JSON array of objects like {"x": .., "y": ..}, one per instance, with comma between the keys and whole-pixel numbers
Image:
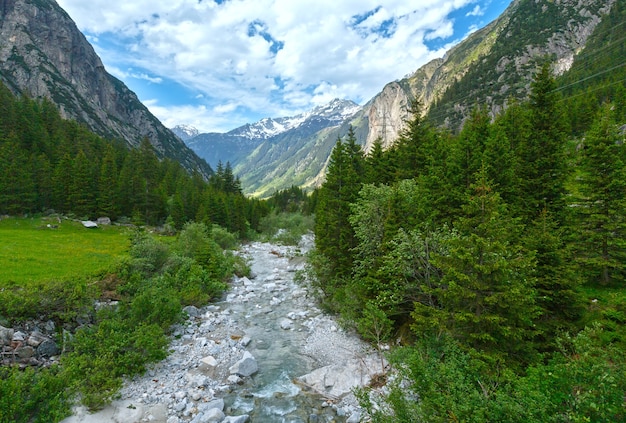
[
  {"x": 490, "y": 67},
  {"x": 43, "y": 54},
  {"x": 276, "y": 153}
]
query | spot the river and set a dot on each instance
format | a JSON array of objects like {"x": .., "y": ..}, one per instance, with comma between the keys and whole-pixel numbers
[{"x": 302, "y": 363}]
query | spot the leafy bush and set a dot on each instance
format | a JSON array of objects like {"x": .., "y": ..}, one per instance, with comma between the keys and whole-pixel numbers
[
  {"x": 113, "y": 348},
  {"x": 440, "y": 382},
  {"x": 286, "y": 228},
  {"x": 148, "y": 255},
  {"x": 61, "y": 300},
  {"x": 226, "y": 240},
  {"x": 31, "y": 396}
]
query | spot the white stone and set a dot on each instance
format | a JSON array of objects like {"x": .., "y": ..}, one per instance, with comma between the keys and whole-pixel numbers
[{"x": 209, "y": 361}]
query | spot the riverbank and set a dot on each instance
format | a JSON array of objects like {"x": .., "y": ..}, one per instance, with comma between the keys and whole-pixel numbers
[{"x": 263, "y": 353}]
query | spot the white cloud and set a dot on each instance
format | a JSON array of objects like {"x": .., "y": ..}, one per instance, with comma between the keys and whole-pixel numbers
[
  {"x": 476, "y": 11},
  {"x": 234, "y": 52}
]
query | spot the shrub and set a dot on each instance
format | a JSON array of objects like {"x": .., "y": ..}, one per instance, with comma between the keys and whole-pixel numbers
[
  {"x": 226, "y": 240},
  {"x": 113, "y": 348},
  {"x": 30, "y": 396},
  {"x": 286, "y": 228}
]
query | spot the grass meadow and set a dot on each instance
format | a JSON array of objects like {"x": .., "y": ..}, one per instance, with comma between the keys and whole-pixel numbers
[{"x": 31, "y": 251}]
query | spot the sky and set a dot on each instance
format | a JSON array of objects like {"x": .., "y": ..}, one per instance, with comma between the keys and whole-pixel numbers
[{"x": 219, "y": 64}]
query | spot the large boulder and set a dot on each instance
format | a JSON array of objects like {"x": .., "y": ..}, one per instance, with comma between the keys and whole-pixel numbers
[
  {"x": 338, "y": 380},
  {"x": 245, "y": 367}
]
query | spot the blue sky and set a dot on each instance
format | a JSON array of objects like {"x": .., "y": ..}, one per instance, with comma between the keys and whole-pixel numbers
[{"x": 218, "y": 64}]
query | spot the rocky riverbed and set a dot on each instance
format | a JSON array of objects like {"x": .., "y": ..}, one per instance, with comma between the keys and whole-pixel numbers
[{"x": 265, "y": 353}]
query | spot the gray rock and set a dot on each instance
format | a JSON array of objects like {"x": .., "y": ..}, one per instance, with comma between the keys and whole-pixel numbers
[
  {"x": 213, "y": 415},
  {"x": 245, "y": 341},
  {"x": 354, "y": 418},
  {"x": 286, "y": 324},
  {"x": 245, "y": 367},
  {"x": 216, "y": 404},
  {"x": 48, "y": 348},
  {"x": 236, "y": 419},
  {"x": 173, "y": 419},
  {"x": 209, "y": 362},
  {"x": 179, "y": 407},
  {"x": 234, "y": 380},
  {"x": 25, "y": 352},
  {"x": 192, "y": 311},
  {"x": 49, "y": 326},
  {"x": 36, "y": 338},
  {"x": 19, "y": 336},
  {"x": 6, "y": 335}
]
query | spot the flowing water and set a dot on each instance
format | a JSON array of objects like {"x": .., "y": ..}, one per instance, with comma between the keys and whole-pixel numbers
[{"x": 276, "y": 314}]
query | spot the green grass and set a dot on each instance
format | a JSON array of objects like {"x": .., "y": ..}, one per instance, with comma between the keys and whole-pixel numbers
[{"x": 30, "y": 251}]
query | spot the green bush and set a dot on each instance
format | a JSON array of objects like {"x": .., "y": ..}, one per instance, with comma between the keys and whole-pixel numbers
[
  {"x": 148, "y": 256},
  {"x": 61, "y": 300},
  {"x": 113, "y": 348},
  {"x": 441, "y": 382},
  {"x": 286, "y": 228},
  {"x": 33, "y": 396},
  {"x": 226, "y": 240}
]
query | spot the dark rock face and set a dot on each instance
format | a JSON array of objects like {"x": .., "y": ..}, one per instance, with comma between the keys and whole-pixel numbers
[{"x": 43, "y": 54}]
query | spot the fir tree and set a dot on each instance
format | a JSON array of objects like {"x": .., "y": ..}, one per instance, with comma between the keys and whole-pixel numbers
[
  {"x": 486, "y": 296},
  {"x": 602, "y": 184}
]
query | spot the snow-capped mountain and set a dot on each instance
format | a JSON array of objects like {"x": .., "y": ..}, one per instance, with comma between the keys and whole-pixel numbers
[
  {"x": 235, "y": 145},
  {"x": 331, "y": 114},
  {"x": 185, "y": 132}
]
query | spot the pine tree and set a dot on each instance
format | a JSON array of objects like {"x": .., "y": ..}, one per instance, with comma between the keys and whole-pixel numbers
[
  {"x": 556, "y": 282},
  {"x": 411, "y": 148},
  {"x": 379, "y": 168},
  {"x": 602, "y": 184},
  {"x": 62, "y": 184},
  {"x": 334, "y": 235},
  {"x": 486, "y": 297},
  {"x": 17, "y": 189},
  {"x": 107, "y": 185},
  {"x": 82, "y": 192},
  {"x": 542, "y": 170}
]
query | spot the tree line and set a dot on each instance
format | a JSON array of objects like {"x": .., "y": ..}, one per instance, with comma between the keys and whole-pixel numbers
[
  {"x": 48, "y": 163},
  {"x": 479, "y": 246}
]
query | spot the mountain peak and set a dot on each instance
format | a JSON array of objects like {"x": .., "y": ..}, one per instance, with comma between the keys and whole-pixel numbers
[{"x": 185, "y": 132}]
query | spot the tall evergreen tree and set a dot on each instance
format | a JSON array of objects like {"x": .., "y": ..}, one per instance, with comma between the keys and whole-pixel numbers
[
  {"x": 542, "y": 168},
  {"x": 83, "y": 189},
  {"x": 411, "y": 148},
  {"x": 486, "y": 296},
  {"x": 334, "y": 235},
  {"x": 379, "y": 167},
  {"x": 602, "y": 184},
  {"x": 17, "y": 189},
  {"x": 108, "y": 197}
]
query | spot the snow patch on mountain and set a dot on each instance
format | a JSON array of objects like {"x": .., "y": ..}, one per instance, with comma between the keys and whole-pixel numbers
[
  {"x": 335, "y": 113},
  {"x": 185, "y": 132}
]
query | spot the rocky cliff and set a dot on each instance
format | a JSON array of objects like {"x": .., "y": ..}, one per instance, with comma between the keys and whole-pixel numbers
[
  {"x": 43, "y": 54},
  {"x": 491, "y": 66}
]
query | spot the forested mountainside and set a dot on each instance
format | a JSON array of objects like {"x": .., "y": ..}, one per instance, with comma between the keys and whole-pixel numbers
[
  {"x": 44, "y": 55},
  {"x": 48, "y": 163},
  {"x": 492, "y": 67},
  {"x": 496, "y": 254}
]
